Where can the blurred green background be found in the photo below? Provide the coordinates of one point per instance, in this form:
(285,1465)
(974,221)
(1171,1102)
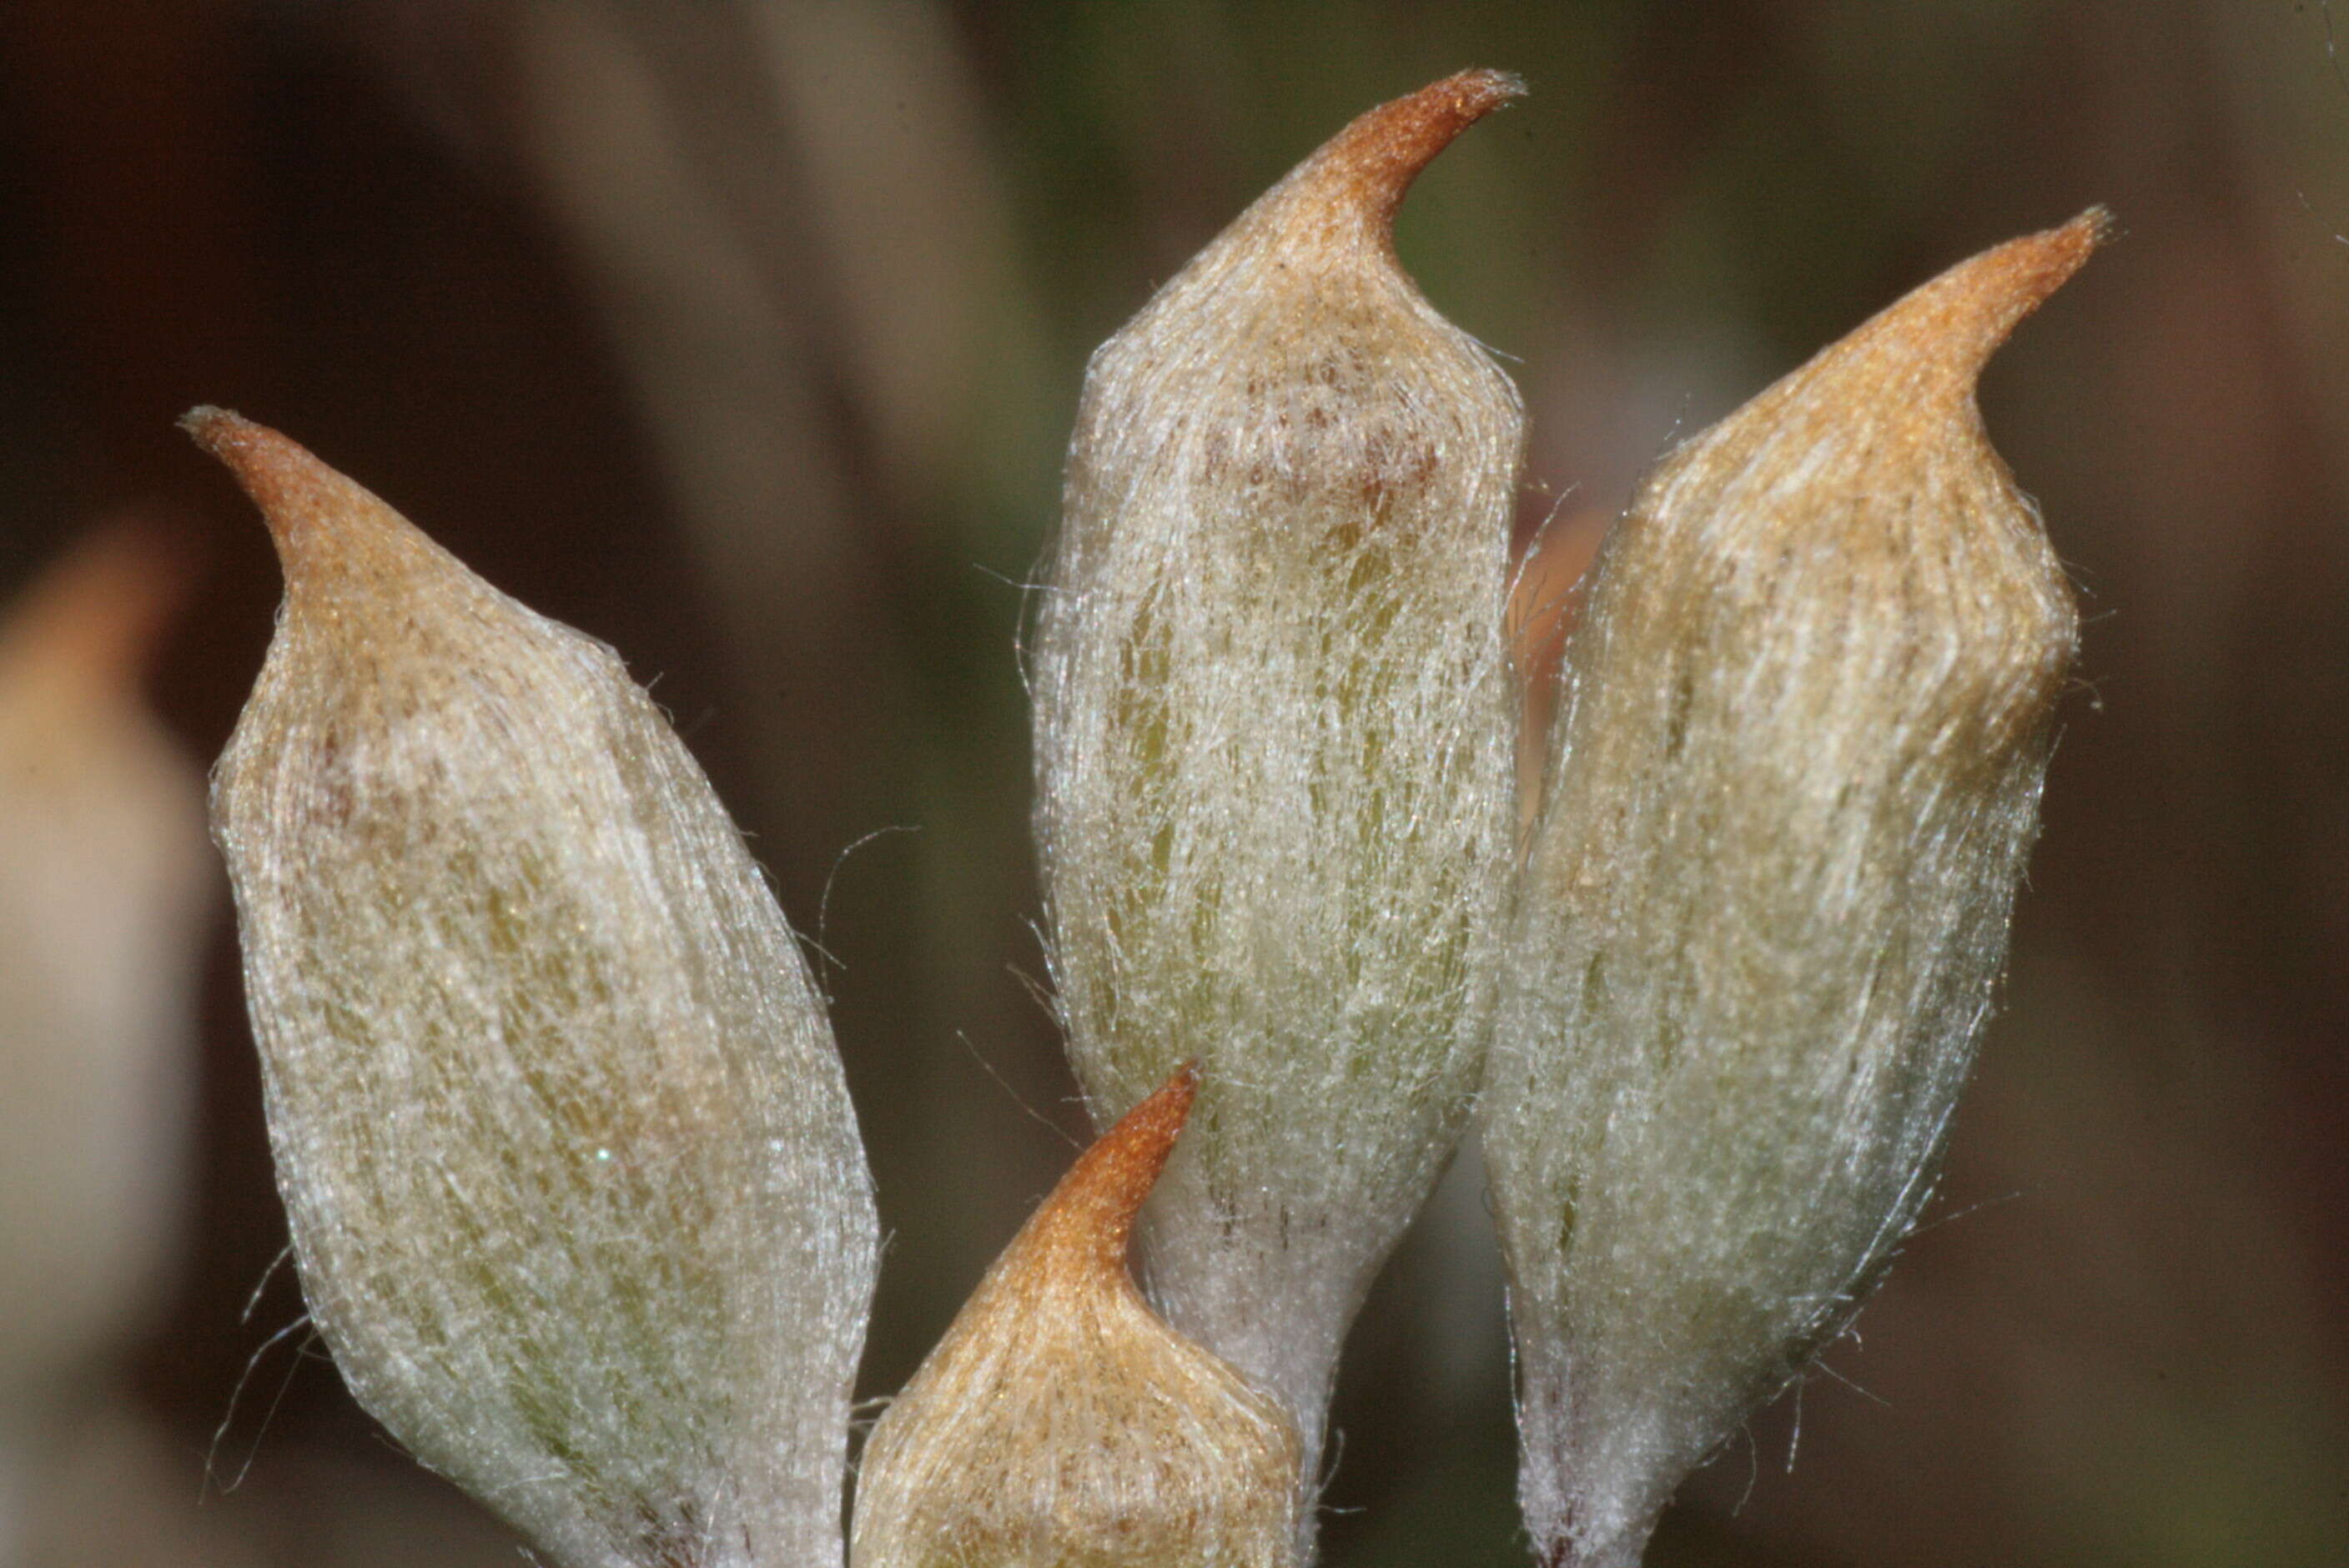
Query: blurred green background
(744,334)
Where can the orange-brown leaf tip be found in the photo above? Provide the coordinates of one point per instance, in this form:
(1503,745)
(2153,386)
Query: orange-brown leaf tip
(1370,164)
(1089,1217)
(1060,1422)
(316,517)
(1955,323)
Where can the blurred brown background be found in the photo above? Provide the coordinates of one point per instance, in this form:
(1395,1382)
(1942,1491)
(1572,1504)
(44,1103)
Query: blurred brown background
(744,334)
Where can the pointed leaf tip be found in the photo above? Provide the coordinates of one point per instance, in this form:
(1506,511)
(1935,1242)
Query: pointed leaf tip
(1959,319)
(1061,1421)
(2067,247)
(259,458)
(1369,165)
(303,501)
(1089,1215)
(2018,278)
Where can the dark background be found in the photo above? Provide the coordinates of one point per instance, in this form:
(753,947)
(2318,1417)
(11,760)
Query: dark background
(744,334)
